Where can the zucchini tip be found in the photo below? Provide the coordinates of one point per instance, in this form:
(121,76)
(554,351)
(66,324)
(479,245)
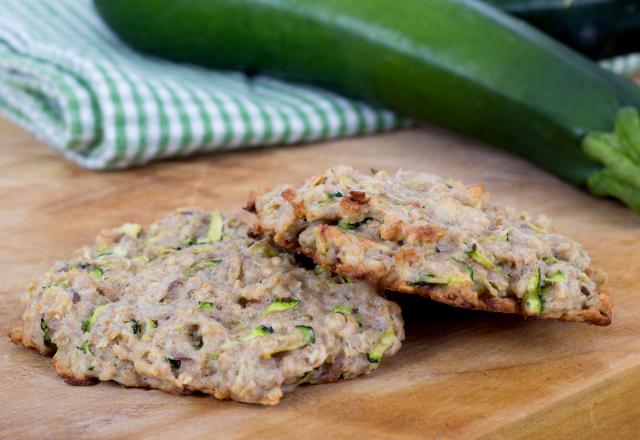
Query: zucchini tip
(619,154)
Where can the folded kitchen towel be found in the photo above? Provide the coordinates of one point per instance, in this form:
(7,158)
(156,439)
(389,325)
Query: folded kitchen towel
(624,64)
(65,77)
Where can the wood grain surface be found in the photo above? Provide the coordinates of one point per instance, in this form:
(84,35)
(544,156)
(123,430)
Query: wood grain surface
(460,374)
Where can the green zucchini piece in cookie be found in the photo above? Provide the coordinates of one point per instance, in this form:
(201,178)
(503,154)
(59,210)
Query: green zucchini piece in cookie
(381,345)
(261,330)
(88,324)
(279,306)
(214,233)
(533,301)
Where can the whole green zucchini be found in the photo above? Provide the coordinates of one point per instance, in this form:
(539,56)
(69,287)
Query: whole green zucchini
(462,64)
(597,28)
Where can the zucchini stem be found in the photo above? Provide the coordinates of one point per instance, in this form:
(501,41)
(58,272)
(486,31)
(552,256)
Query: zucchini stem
(619,153)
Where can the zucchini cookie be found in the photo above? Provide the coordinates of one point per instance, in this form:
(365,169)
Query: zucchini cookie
(196,305)
(419,233)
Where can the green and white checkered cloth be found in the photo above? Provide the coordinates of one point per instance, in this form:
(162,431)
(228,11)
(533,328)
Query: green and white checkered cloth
(624,65)
(65,77)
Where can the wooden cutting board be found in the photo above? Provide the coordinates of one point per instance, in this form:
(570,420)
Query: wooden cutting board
(460,374)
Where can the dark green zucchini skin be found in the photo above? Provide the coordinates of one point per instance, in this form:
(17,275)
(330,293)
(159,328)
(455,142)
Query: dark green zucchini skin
(597,28)
(461,64)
